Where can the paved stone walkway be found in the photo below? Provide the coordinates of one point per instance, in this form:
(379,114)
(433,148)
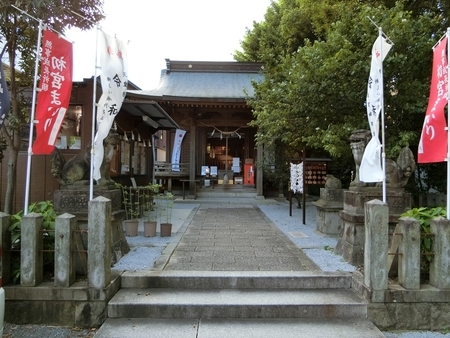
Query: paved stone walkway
(235,238)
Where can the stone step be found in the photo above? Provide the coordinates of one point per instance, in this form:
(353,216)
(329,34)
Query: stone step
(238,328)
(232,193)
(236,303)
(236,279)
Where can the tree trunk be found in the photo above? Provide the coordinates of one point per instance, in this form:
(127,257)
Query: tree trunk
(13,138)
(11,180)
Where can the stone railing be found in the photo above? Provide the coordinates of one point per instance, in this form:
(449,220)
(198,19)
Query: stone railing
(82,303)
(405,245)
(31,253)
(408,303)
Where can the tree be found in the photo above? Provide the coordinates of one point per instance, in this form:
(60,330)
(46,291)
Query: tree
(314,93)
(18,35)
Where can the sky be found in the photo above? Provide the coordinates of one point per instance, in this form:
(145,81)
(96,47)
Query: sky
(180,30)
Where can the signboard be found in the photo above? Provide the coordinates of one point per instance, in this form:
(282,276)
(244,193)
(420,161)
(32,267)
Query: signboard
(315,173)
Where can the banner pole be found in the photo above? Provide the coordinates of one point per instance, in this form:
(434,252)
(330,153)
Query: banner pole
(33,109)
(448,134)
(94,120)
(383,152)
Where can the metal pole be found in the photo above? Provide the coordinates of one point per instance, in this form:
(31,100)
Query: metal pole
(33,110)
(94,120)
(383,152)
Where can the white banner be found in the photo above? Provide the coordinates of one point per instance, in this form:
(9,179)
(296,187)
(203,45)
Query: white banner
(114,79)
(370,169)
(179,135)
(297,178)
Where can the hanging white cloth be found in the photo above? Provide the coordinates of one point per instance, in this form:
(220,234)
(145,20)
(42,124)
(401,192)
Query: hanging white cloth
(297,178)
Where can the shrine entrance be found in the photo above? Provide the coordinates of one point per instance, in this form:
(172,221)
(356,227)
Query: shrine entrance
(227,149)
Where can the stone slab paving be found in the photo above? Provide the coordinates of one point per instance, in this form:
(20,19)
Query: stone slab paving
(235,238)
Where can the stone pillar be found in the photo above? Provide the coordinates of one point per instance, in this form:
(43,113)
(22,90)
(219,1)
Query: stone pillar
(376,248)
(5,243)
(65,226)
(440,265)
(409,260)
(328,206)
(31,255)
(99,239)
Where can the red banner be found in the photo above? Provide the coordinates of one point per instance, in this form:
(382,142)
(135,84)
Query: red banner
(433,140)
(55,88)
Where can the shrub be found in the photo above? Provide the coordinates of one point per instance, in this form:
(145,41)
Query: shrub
(45,208)
(424,216)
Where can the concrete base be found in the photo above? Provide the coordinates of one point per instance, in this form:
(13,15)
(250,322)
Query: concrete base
(75,199)
(328,222)
(76,306)
(427,309)
(329,205)
(352,236)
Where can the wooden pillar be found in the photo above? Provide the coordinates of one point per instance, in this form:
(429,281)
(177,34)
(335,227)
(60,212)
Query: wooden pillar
(192,162)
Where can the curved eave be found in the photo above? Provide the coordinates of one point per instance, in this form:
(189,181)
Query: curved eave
(151,113)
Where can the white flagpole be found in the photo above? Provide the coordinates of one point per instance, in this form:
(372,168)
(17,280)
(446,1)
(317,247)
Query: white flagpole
(94,119)
(33,110)
(383,153)
(448,134)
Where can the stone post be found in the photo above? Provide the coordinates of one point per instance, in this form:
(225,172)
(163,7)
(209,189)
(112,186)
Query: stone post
(440,265)
(31,255)
(99,243)
(376,248)
(65,226)
(5,245)
(409,260)
(329,205)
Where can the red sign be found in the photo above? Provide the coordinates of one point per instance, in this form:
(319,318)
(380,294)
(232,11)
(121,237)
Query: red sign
(54,91)
(433,141)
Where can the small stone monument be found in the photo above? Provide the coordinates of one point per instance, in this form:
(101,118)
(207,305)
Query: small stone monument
(329,205)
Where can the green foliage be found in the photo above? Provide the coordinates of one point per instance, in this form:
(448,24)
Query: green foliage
(2,147)
(154,188)
(424,216)
(151,211)
(130,202)
(315,85)
(139,201)
(165,205)
(45,208)
(18,35)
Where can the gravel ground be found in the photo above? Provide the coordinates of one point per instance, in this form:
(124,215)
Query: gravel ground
(144,252)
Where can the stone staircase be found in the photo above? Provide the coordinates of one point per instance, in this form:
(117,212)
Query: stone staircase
(237,304)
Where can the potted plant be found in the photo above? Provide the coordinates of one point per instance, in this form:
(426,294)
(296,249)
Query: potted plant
(165,205)
(151,212)
(131,221)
